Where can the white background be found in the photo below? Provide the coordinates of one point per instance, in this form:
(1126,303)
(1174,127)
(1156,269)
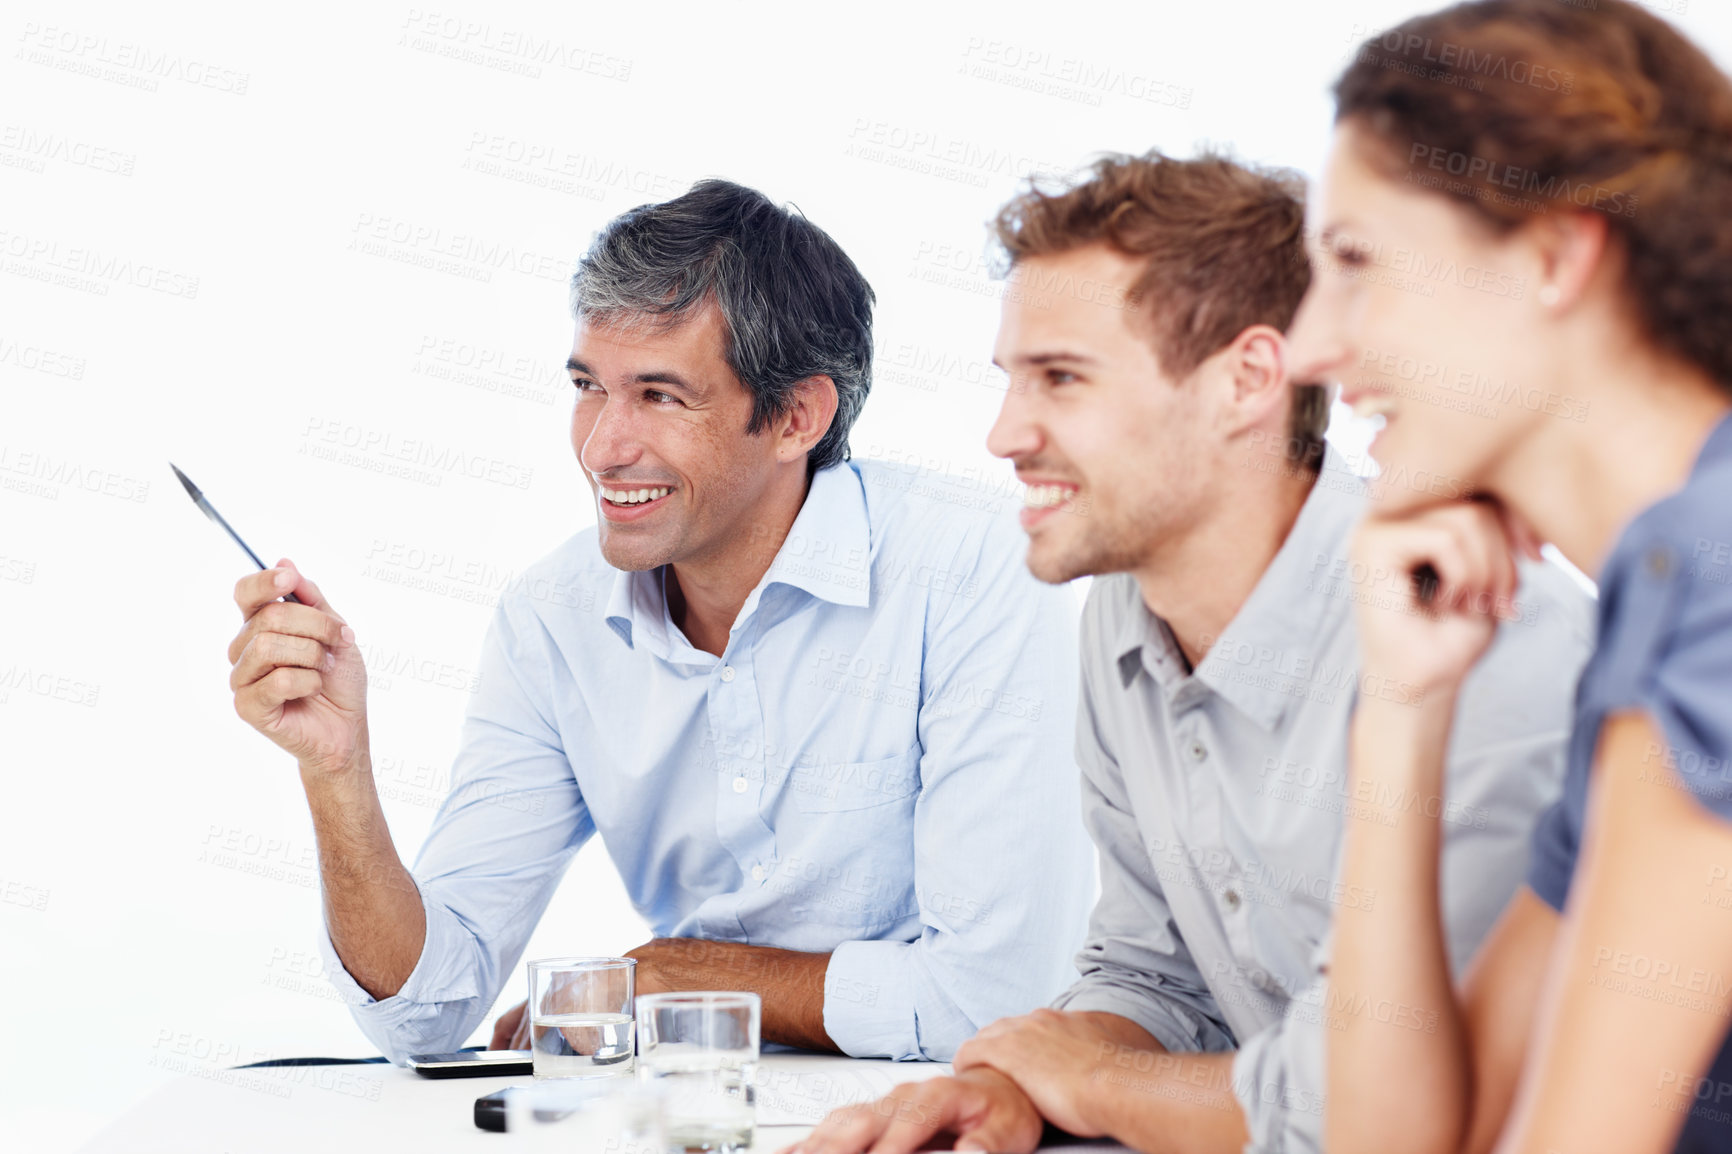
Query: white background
(303,165)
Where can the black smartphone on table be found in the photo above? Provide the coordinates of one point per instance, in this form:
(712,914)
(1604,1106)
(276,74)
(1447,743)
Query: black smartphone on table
(491,1109)
(474,1064)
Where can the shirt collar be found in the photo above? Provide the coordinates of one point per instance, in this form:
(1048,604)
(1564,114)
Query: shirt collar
(828,550)
(1718,446)
(1148,644)
(1270,648)
(637,605)
(827,553)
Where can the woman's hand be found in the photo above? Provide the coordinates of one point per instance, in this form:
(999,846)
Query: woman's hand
(1431,587)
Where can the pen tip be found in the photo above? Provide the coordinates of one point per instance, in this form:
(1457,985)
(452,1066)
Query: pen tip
(186,481)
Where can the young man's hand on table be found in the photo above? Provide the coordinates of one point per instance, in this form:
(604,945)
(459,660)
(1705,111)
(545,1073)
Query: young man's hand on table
(982,1108)
(1009,1077)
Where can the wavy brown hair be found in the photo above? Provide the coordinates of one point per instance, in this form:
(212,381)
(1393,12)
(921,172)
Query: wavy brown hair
(1519,107)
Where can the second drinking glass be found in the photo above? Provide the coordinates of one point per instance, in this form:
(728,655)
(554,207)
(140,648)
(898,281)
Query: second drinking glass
(700,1050)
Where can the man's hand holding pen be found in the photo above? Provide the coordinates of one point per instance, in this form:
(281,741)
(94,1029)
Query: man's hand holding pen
(299,680)
(298,677)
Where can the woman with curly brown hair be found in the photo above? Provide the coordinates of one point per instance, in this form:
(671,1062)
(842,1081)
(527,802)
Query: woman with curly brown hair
(1526,272)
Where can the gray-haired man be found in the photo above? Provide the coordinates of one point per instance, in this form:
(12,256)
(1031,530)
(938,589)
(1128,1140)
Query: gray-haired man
(779,685)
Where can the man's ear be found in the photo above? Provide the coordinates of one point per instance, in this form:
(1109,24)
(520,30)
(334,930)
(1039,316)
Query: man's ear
(808,418)
(1255,364)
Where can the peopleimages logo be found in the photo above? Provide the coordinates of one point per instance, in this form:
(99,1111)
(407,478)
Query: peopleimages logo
(37,359)
(382,450)
(506,49)
(1036,69)
(36,149)
(1458,64)
(54,472)
(134,65)
(92,269)
(1502,175)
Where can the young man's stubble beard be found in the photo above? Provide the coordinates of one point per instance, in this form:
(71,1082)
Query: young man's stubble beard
(1092,544)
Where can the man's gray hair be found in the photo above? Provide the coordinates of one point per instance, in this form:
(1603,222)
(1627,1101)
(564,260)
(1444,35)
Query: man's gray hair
(792,304)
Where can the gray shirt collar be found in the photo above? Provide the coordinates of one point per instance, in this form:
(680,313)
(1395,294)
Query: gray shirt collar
(1272,640)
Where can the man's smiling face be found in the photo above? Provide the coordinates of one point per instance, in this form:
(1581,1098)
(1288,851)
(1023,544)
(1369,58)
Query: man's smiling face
(1115,453)
(659,426)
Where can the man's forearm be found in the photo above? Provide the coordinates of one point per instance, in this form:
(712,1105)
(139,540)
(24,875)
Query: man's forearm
(372,906)
(1165,1103)
(1095,1073)
(790,983)
(1154,1100)
(1119,1029)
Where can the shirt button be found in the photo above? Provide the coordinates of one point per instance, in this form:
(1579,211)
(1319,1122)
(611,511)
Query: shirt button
(1232,898)
(759,873)
(727,673)
(1199,751)
(739,785)
(1659,562)
(1260,979)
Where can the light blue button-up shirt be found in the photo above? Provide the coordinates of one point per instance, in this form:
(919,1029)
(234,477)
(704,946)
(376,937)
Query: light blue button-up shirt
(879,765)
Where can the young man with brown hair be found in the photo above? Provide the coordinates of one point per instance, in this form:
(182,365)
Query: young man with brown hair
(1168,453)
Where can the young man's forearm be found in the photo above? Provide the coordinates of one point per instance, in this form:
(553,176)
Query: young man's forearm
(1094,1072)
(372,906)
(1391,996)
(1151,1099)
(1165,1103)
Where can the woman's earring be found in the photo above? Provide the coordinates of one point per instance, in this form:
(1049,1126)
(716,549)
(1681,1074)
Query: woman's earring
(1550,295)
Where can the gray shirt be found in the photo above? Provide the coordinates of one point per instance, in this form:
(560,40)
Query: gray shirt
(1216,799)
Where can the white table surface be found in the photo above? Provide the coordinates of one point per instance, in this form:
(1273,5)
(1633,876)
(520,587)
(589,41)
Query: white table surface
(380,1109)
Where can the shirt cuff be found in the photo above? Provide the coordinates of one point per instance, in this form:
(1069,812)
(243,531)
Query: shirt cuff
(1177,1031)
(1277,1076)
(869,1001)
(437,1006)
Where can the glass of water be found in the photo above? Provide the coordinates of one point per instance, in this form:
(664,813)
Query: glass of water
(580,1023)
(701,1049)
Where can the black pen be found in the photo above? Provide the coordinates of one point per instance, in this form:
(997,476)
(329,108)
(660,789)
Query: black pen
(198,499)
